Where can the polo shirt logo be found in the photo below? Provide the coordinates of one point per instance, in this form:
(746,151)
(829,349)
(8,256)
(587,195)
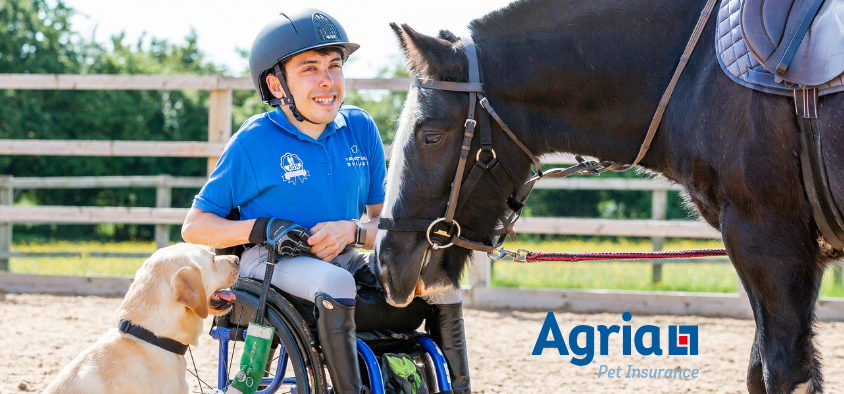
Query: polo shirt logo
(294,168)
(356,159)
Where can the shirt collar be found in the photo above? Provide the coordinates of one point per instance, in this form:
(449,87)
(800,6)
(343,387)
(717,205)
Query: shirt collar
(280,120)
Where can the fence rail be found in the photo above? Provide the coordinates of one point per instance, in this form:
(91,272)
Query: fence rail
(164,82)
(163,216)
(219,131)
(111,148)
(532,225)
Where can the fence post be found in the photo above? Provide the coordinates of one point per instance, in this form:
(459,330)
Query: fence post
(659,204)
(7,197)
(219,121)
(480,272)
(163,199)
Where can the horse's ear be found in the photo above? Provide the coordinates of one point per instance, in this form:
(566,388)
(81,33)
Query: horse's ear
(431,57)
(448,35)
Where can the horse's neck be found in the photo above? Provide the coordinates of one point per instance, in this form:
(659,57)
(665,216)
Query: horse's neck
(591,84)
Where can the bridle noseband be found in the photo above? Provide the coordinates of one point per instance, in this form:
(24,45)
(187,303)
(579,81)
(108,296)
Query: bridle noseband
(460,189)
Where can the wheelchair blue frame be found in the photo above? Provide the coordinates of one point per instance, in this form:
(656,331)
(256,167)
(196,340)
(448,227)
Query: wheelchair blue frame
(370,361)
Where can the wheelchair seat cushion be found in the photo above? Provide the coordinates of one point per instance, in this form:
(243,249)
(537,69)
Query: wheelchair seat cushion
(388,341)
(372,312)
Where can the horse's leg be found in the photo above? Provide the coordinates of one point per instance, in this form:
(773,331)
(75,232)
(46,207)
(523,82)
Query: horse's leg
(782,278)
(755,378)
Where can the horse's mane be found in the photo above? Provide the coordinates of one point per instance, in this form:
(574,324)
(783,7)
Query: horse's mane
(533,16)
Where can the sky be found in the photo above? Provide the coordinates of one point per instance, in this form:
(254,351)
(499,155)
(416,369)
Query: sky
(223,27)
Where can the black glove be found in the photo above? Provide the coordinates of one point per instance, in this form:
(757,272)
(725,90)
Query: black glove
(287,238)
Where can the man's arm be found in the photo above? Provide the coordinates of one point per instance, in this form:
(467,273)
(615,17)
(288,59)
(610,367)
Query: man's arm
(374,213)
(208,229)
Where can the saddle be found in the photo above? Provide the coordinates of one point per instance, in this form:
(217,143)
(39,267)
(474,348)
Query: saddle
(799,41)
(791,48)
(742,66)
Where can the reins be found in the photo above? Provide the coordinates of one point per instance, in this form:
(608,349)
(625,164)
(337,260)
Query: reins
(526,256)
(461,189)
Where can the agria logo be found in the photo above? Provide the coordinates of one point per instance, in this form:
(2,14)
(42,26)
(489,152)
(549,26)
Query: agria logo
(682,340)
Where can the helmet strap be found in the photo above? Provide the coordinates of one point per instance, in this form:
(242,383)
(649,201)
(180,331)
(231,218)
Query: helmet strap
(288,98)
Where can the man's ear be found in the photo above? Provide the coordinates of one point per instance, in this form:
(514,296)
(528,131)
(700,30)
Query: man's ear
(187,286)
(274,85)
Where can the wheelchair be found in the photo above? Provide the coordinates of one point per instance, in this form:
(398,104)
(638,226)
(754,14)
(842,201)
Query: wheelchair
(296,363)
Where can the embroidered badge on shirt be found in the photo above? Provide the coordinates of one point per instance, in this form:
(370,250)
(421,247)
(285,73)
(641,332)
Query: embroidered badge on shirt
(356,160)
(294,168)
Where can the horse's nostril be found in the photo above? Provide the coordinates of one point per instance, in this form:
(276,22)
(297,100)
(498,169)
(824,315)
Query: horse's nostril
(236,260)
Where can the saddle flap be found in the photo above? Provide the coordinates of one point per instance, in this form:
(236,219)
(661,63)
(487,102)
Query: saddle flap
(799,41)
(763,23)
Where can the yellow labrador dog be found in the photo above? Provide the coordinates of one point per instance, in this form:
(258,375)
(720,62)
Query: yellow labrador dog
(173,291)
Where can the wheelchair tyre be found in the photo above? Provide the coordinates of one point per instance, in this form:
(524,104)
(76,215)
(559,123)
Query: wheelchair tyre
(291,329)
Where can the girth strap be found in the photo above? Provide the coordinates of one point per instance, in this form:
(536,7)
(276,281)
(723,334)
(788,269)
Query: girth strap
(815,180)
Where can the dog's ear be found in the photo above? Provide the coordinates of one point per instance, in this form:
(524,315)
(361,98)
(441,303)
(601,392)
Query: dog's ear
(187,285)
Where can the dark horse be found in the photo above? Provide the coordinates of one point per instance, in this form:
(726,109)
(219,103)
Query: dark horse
(585,76)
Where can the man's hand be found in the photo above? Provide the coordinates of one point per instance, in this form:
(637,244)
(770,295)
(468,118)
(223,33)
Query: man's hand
(329,238)
(287,238)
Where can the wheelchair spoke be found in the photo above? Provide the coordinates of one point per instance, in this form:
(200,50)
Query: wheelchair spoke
(267,371)
(234,346)
(203,382)
(196,370)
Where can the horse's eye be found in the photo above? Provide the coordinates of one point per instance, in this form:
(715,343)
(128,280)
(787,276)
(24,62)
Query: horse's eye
(431,138)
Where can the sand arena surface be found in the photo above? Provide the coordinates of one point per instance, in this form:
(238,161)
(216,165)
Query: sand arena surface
(43,333)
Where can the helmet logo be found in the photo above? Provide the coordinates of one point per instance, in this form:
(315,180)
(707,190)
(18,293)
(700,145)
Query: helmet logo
(325,28)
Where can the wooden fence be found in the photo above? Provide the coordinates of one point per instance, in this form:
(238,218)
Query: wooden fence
(219,131)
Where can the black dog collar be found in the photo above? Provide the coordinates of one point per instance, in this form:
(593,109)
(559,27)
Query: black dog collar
(170,345)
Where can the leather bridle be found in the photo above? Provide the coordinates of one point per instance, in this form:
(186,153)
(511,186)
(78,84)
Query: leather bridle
(460,189)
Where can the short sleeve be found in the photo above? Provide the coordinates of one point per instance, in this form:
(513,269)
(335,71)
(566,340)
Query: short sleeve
(232,183)
(377,167)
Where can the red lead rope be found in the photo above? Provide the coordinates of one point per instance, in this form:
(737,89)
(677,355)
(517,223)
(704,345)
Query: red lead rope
(668,254)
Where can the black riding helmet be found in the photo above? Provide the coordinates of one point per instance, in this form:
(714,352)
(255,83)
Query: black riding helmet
(287,35)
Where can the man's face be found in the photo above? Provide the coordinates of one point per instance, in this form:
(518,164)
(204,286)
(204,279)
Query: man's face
(316,83)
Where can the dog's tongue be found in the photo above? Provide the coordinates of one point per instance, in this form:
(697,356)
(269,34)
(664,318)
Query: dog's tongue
(225,294)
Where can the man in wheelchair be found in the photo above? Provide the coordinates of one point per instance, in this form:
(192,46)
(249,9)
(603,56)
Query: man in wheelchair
(300,177)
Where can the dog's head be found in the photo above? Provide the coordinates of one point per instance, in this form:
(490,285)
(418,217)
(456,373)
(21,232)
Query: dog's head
(178,286)
(200,280)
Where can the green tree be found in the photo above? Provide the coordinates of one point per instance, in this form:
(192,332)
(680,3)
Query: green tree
(41,40)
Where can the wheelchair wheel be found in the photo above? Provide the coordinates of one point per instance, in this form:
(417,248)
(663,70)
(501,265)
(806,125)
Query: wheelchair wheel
(296,352)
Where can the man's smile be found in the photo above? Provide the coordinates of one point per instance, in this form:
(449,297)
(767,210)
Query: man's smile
(325,101)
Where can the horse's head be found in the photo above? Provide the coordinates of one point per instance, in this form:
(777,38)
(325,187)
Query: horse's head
(424,161)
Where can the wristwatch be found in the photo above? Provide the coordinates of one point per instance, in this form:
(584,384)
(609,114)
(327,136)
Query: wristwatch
(360,234)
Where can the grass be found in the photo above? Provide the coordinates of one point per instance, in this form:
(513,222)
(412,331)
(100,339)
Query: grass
(83,265)
(697,277)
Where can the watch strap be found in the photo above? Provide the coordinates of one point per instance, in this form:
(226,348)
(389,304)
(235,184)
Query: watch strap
(360,234)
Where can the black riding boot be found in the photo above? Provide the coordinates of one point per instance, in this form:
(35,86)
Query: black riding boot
(336,327)
(445,325)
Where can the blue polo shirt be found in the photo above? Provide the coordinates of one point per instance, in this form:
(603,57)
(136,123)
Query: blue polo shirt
(270,168)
